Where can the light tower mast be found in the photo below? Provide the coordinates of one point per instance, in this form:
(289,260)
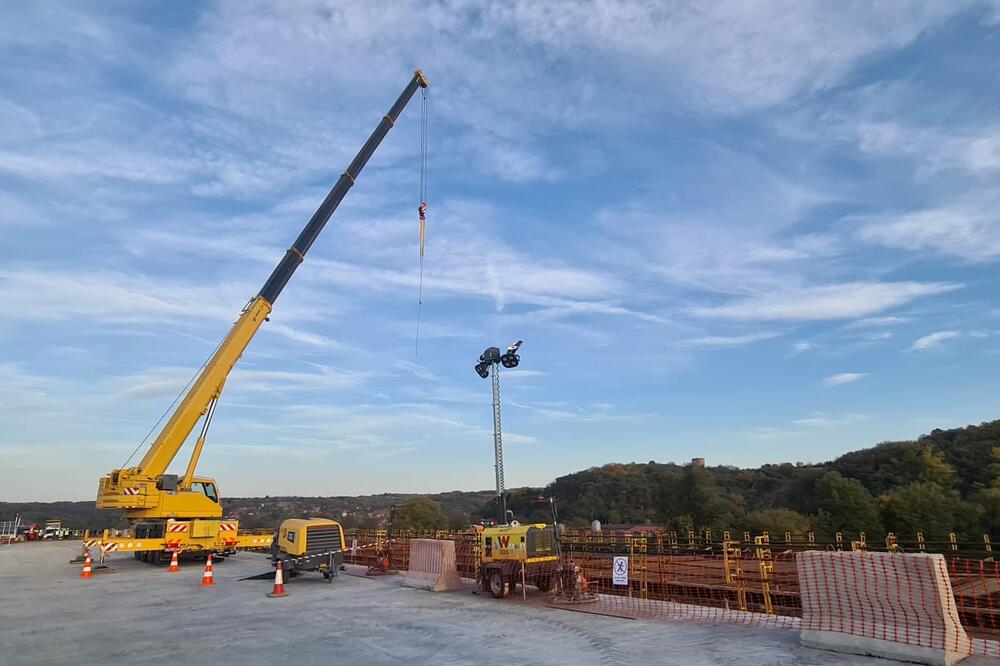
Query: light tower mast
(489,366)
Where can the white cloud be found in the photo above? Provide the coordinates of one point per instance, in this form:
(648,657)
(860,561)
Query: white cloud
(277,381)
(928,342)
(419,371)
(700,238)
(96,298)
(822,421)
(510,161)
(522,373)
(800,347)
(835,301)
(562,411)
(728,341)
(933,149)
(730,55)
(298,335)
(168,382)
(843,378)
(257,58)
(965,233)
(817,422)
(110,297)
(879,321)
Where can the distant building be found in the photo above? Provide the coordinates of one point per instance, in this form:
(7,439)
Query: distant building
(698,463)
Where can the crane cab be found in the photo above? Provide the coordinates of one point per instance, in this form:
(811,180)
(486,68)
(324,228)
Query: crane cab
(148,498)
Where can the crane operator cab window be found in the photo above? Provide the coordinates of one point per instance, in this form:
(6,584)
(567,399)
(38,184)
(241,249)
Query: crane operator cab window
(206,489)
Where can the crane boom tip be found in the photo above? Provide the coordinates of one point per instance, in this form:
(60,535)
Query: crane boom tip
(420,76)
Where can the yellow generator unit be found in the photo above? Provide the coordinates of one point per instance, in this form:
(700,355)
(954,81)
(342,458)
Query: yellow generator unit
(506,550)
(313,544)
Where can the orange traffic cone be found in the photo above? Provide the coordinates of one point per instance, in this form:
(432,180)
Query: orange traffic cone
(279,582)
(208,578)
(87,571)
(174,564)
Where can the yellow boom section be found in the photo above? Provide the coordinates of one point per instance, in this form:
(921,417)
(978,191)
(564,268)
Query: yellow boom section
(136,490)
(207,387)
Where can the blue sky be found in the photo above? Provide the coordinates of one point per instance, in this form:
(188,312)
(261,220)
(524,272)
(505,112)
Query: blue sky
(752,232)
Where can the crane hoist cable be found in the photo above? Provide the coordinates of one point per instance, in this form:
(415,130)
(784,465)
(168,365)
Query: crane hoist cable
(422,212)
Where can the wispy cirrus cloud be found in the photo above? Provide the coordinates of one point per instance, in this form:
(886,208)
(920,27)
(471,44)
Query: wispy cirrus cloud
(825,302)
(933,340)
(870,322)
(843,378)
(822,421)
(973,235)
(728,341)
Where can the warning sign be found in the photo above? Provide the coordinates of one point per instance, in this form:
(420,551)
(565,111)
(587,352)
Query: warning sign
(619,571)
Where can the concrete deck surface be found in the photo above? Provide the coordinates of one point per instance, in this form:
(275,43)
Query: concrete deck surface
(140,614)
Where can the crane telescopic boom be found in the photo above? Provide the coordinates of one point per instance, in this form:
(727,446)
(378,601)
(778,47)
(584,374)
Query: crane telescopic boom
(134,488)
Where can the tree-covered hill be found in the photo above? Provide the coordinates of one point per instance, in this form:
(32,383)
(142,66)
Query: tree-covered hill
(946,480)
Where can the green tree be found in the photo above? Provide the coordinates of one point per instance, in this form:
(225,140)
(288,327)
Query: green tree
(421,513)
(988,499)
(888,466)
(778,521)
(845,505)
(927,507)
(701,499)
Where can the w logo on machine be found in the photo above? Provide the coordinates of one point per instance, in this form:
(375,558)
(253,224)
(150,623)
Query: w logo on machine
(503,541)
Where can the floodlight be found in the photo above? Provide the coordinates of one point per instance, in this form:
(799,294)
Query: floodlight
(510,360)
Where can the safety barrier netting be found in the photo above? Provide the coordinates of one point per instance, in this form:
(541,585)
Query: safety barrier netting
(975,585)
(930,601)
(367,546)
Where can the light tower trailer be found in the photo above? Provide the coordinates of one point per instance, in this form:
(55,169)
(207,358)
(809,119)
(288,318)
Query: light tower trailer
(518,553)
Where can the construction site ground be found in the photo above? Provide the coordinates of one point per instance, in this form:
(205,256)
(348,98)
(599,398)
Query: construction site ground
(140,614)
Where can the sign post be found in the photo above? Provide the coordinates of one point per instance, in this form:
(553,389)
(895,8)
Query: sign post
(619,570)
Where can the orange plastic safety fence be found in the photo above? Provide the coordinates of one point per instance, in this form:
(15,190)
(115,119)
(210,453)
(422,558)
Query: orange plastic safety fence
(916,599)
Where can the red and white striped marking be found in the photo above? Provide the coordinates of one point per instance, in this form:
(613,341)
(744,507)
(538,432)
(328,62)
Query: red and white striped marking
(91,543)
(177,527)
(227,527)
(131,491)
(108,547)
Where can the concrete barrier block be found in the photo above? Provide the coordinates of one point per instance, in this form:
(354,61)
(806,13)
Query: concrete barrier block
(890,605)
(433,566)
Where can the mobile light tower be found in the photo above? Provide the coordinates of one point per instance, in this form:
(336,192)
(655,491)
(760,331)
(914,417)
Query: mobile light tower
(489,365)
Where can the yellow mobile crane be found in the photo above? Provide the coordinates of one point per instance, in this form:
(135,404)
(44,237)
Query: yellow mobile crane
(170,512)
